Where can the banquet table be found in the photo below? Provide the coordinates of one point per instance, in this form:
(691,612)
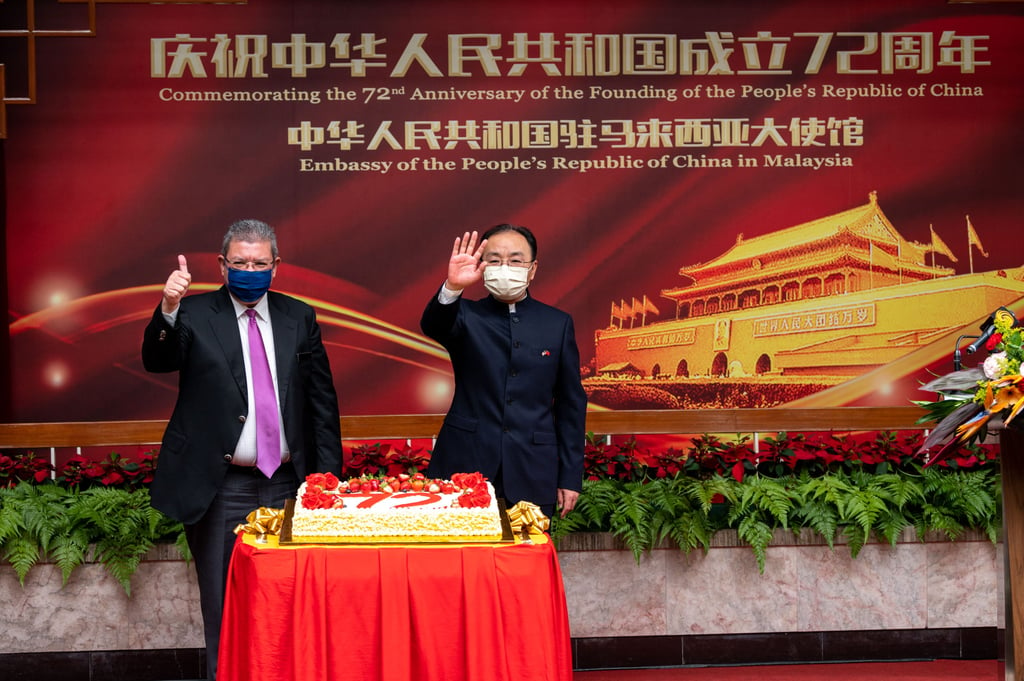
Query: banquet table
(487,612)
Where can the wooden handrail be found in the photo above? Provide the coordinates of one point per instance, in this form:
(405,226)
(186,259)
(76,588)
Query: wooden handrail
(404,426)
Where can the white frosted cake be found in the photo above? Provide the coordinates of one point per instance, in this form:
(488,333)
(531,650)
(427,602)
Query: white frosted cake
(406,508)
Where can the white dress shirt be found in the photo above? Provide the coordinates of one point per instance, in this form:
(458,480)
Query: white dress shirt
(245,450)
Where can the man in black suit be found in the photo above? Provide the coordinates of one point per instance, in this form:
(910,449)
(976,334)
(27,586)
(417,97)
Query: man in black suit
(207,475)
(519,411)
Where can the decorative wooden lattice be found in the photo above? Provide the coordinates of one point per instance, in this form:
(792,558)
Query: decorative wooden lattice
(30,31)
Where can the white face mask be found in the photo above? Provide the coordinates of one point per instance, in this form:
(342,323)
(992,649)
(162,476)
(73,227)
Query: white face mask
(506,282)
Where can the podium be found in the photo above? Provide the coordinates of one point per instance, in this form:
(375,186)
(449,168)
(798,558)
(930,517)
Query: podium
(1011,457)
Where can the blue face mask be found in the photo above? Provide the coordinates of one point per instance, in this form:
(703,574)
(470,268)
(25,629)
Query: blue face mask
(249,285)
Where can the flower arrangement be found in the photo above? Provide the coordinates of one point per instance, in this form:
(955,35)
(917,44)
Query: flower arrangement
(972,399)
(78,472)
(842,486)
(17,467)
(114,471)
(813,454)
(383,459)
(835,484)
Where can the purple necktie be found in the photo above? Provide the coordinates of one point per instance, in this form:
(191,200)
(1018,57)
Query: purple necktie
(268,432)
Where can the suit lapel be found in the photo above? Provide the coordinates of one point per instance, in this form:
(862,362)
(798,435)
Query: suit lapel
(224,324)
(285,345)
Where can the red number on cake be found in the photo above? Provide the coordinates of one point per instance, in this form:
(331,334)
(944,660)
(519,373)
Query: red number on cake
(371,499)
(430,498)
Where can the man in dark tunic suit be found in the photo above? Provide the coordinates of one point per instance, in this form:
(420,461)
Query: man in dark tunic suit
(518,414)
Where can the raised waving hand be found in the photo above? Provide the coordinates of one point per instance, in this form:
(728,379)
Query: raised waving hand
(465,266)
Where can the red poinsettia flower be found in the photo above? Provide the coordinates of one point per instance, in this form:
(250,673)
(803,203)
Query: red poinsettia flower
(737,471)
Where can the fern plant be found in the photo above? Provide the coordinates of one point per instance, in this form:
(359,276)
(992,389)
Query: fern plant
(119,526)
(840,488)
(855,505)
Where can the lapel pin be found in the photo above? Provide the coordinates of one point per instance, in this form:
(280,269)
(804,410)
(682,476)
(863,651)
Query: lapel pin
(545,353)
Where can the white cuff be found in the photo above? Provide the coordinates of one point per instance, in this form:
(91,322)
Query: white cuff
(446,296)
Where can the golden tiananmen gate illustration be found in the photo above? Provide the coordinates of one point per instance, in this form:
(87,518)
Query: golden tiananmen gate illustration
(785,315)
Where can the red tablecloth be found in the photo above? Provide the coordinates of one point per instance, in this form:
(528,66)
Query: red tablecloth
(389,613)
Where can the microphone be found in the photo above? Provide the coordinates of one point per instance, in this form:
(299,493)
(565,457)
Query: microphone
(988,328)
(957,355)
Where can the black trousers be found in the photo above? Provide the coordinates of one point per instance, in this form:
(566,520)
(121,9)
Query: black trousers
(499,491)
(212,539)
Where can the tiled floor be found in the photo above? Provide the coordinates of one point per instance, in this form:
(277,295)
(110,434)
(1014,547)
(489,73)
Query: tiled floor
(931,670)
(189,665)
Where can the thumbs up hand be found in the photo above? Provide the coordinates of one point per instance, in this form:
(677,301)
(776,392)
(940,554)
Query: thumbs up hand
(176,287)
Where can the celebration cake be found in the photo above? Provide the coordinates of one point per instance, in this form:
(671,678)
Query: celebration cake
(405,508)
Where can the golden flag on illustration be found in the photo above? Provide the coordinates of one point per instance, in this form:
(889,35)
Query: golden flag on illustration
(939,246)
(972,238)
(649,306)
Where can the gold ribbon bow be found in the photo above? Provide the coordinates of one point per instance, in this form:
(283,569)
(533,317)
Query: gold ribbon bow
(527,519)
(262,521)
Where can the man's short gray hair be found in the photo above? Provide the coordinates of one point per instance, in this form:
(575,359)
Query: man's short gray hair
(253,231)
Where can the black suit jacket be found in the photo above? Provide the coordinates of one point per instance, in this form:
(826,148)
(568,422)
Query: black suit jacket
(205,348)
(518,401)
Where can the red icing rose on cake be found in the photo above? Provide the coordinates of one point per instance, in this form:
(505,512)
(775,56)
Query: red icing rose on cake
(474,490)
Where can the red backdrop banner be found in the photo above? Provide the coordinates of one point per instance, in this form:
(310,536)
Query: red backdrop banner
(701,178)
